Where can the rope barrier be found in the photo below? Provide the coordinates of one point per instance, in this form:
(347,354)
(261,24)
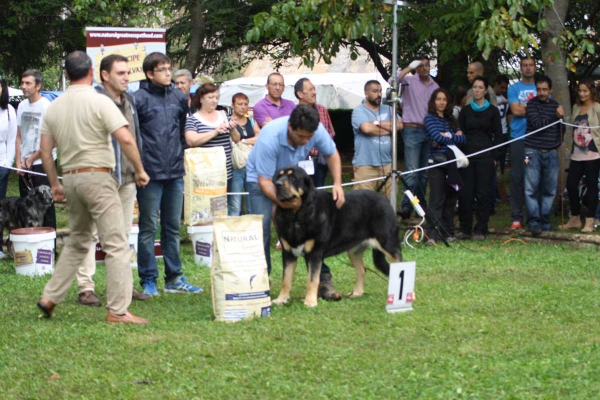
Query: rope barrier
(383,177)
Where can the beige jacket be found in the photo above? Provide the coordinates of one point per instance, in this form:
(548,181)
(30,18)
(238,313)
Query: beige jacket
(593,120)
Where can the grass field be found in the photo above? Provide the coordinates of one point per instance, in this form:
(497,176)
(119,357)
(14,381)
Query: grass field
(491,321)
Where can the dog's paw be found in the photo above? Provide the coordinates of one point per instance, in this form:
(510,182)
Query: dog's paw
(281,300)
(310,303)
(353,294)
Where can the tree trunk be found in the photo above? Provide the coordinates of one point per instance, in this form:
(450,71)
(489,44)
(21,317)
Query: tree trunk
(192,60)
(553,58)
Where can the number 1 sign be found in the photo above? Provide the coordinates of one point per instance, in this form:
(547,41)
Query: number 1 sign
(401,287)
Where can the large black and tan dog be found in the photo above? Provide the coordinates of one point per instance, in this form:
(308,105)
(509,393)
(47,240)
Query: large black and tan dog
(315,228)
(24,212)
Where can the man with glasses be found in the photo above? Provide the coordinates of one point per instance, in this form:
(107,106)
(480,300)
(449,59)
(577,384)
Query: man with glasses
(273,106)
(162,111)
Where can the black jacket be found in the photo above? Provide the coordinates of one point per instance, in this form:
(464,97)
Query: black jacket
(482,130)
(162,113)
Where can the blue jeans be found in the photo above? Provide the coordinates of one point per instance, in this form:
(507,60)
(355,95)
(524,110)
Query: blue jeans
(320,173)
(165,196)
(541,177)
(237,185)
(260,204)
(416,155)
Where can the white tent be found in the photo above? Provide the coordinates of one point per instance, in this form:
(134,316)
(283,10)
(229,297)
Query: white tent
(334,90)
(14,92)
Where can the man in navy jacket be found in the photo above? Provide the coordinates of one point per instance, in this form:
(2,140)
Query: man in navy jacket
(162,111)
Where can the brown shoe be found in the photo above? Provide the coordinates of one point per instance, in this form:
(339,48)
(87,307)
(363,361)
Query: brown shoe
(326,289)
(136,295)
(127,318)
(88,298)
(47,307)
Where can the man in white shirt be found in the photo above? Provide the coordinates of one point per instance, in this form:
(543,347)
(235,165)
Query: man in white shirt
(30,115)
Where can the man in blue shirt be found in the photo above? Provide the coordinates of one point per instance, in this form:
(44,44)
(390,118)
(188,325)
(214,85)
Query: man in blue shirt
(372,127)
(518,96)
(283,142)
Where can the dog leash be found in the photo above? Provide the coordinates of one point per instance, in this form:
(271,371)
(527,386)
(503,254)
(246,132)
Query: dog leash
(27,179)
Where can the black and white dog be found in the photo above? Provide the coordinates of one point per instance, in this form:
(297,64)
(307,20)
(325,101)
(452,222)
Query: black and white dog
(24,212)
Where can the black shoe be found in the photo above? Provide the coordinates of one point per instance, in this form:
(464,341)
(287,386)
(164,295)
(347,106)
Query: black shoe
(462,236)
(404,214)
(536,230)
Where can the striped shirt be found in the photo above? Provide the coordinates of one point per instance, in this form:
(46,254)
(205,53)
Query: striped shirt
(434,126)
(541,114)
(201,126)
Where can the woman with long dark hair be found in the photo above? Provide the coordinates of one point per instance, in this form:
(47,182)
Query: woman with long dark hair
(442,129)
(481,124)
(8,136)
(585,158)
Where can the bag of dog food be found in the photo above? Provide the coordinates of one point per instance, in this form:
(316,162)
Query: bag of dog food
(239,277)
(205,185)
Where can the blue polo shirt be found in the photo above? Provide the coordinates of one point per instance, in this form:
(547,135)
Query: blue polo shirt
(272,151)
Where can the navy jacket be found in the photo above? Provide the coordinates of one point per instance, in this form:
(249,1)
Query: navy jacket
(162,113)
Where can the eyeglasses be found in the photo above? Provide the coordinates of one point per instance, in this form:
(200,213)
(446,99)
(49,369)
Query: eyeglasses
(164,70)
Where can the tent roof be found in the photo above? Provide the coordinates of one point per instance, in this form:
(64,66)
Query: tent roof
(334,90)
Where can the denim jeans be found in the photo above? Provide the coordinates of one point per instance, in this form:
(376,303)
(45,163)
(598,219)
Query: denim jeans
(541,178)
(165,196)
(320,173)
(237,185)
(260,204)
(517,162)
(4,173)
(416,155)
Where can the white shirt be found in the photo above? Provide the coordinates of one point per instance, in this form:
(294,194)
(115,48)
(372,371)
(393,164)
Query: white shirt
(8,136)
(29,119)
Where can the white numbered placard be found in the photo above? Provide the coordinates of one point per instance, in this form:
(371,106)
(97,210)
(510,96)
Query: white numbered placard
(308,166)
(401,287)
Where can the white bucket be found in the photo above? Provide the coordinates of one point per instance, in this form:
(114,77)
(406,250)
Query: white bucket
(133,244)
(34,250)
(202,243)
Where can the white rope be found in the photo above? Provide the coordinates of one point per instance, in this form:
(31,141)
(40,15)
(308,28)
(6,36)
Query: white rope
(383,177)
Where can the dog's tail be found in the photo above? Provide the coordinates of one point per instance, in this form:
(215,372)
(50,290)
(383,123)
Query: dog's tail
(381,262)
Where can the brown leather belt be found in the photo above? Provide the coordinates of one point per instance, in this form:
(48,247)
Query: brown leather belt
(80,170)
(414,125)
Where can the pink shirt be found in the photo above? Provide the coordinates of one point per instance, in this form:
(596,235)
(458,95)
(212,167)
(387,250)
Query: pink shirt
(265,108)
(415,98)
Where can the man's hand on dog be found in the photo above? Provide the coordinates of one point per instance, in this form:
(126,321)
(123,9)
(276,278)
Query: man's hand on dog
(141,178)
(58,193)
(338,195)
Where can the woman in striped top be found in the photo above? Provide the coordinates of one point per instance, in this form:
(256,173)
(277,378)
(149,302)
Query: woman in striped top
(209,127)
(441,127)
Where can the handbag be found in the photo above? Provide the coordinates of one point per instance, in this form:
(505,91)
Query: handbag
(461,160)
(239,154)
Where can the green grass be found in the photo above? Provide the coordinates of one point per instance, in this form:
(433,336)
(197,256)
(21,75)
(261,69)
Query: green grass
(489,321)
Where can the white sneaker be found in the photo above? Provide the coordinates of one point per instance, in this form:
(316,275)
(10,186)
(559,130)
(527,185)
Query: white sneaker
(2,255)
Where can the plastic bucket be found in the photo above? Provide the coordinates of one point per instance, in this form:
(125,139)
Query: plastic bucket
(202,242)
(34,250)
(133,244)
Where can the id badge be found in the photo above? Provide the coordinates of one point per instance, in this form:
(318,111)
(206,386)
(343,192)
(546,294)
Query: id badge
(308,166)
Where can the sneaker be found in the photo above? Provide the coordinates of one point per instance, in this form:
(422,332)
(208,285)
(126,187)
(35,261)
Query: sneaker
(516,225)
(451,239)
(278,246)
(431,242)
(2,255)
(181,286)
(479,237)
(149,289)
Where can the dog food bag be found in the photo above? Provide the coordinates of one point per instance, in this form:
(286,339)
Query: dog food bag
(205,185)
(239,277)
